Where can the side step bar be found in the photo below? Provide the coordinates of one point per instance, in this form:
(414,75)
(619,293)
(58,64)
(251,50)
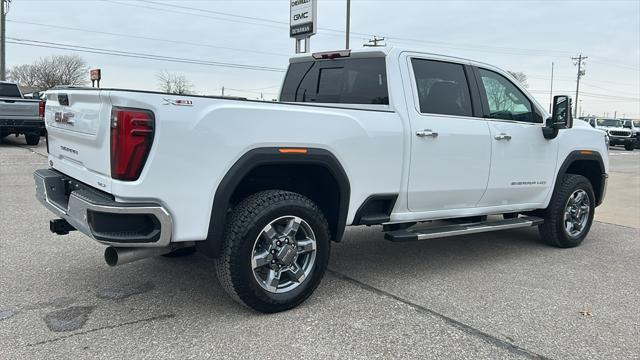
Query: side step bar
(432,232)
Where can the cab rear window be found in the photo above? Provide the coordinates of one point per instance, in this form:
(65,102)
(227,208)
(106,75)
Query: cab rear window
(340,81)
(9,90)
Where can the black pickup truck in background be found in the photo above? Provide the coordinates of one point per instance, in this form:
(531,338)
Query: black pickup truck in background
(20,116)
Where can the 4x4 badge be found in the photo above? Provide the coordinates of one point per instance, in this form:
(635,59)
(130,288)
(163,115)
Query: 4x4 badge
(178,102)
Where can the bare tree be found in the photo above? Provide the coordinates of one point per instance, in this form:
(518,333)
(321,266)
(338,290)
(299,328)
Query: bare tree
(23,74)
(174,83)
(521,77)
(48,72)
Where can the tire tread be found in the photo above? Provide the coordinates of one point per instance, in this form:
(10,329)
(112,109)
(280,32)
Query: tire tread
(551,230)
(242,218)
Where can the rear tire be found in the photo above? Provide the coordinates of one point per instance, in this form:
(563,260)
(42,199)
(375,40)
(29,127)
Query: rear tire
(569,216)
(32,139)
(268,263)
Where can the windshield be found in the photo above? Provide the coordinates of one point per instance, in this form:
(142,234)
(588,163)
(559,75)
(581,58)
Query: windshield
(609,122)
(10,90)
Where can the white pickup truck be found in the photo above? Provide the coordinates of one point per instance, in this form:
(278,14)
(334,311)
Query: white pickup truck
(425,145)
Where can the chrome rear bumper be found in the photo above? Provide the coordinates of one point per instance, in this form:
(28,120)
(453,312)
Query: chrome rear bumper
(98,216)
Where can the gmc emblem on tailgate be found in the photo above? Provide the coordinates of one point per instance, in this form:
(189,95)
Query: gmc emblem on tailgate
(63,118)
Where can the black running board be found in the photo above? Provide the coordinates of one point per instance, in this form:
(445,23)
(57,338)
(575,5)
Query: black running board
(432,232)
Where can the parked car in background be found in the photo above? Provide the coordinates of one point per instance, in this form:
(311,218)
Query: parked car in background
(618,134)
(19,115)
(634,126)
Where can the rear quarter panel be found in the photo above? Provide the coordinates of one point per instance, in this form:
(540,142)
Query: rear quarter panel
(196,145)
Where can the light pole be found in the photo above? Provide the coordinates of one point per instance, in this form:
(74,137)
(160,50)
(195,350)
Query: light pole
(4,6)
(348,24)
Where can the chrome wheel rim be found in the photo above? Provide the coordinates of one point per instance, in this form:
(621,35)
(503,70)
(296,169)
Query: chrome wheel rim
(576,213)
(284,254)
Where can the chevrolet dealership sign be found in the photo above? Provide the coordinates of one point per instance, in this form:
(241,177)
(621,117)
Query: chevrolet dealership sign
(303,18)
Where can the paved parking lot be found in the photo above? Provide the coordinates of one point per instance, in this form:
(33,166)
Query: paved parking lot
(498,295)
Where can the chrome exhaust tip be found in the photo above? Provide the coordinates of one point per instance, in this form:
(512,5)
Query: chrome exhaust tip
(115,256)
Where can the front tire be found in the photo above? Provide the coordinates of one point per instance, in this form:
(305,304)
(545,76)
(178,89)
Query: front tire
(569,216)
(276,250)
(629,147)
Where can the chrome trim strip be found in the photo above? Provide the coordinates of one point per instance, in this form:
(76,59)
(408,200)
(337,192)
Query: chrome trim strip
(76,215)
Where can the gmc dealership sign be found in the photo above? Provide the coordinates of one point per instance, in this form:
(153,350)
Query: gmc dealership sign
(303,18)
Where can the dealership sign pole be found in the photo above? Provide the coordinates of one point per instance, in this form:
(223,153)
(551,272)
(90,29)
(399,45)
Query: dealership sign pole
(302,22)
(96,76)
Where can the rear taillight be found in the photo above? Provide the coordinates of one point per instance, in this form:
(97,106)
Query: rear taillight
(41,109)
(131,138)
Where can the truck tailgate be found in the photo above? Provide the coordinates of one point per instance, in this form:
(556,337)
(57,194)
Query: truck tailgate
(78,126)
(15,108)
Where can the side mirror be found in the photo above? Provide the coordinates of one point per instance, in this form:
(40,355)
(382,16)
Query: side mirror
(560,117)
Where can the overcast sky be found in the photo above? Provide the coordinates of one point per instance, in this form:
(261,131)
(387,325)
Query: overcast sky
(524,36)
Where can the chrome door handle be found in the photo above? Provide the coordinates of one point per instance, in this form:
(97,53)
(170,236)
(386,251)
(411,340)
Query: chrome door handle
(426,133)
(502,136)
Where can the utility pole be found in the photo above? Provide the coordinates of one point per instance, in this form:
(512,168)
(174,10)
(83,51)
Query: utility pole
(4,8)
(551,91)
(581,72)
(581,112)
(223,91)
(374,42)
(348,24)
(615,114)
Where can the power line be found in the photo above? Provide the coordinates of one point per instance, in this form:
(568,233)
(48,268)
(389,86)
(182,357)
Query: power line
(53,45)
(544,52)
(339,33)
(595,95)
(216,12)
(333,32)
(174,11)
(591,81)
(618,65)
(588,84)
(145,38)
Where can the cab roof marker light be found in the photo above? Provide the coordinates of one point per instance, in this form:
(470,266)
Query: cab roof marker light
(331,54)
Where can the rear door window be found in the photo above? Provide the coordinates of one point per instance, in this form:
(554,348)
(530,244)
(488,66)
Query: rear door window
(442,88)
(340,81)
